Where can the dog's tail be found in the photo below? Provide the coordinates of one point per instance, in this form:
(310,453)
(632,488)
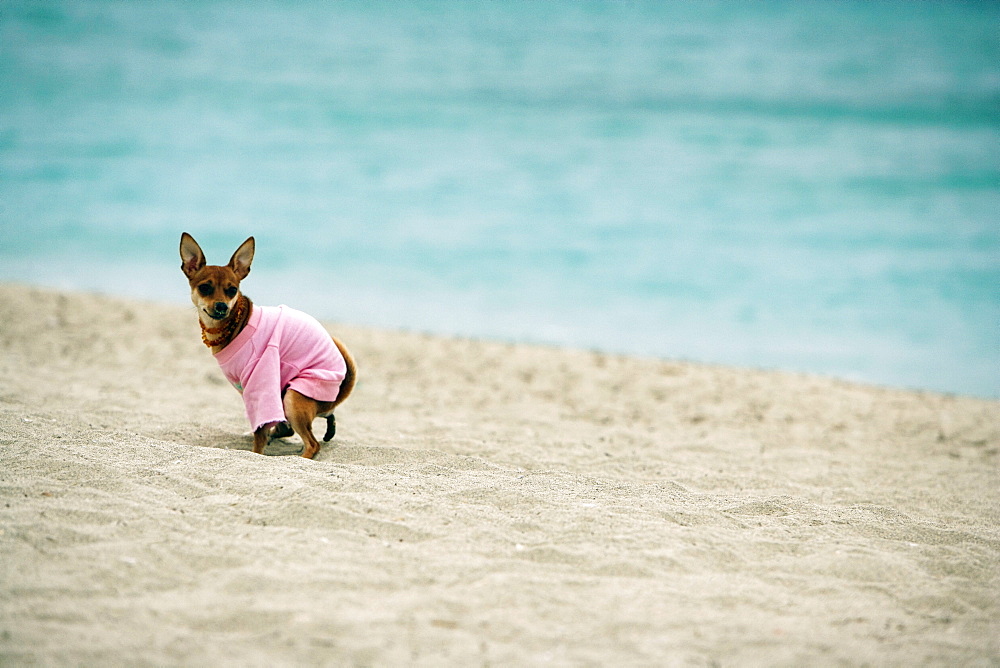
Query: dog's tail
(347,385)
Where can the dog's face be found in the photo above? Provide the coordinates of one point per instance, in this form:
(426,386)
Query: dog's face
(214,289)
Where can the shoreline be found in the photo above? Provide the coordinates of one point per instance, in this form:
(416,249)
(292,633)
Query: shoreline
(540,343)
(482,502)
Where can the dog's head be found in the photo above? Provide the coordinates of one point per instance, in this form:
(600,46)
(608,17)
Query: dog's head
(214,289)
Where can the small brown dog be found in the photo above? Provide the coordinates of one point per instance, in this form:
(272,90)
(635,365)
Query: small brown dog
(287,367)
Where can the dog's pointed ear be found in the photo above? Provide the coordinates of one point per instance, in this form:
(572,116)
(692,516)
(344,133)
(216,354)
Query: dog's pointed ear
(192,259)
(240,262)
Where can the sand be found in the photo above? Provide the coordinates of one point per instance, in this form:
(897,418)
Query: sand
(482,504)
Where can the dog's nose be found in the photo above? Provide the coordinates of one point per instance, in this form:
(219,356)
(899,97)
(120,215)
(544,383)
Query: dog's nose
(220,307)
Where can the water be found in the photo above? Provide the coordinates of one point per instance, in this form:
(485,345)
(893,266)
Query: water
(796,185)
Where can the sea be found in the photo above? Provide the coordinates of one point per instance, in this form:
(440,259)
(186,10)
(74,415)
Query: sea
(805,185)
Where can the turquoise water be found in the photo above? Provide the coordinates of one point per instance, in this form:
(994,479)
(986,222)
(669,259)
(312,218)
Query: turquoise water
(798,185)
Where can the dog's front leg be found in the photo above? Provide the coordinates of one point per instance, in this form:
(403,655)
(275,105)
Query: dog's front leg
(262,436)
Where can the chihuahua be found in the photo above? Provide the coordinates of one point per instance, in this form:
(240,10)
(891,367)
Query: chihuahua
(284,363)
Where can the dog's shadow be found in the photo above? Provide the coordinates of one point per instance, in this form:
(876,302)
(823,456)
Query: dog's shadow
(224,440)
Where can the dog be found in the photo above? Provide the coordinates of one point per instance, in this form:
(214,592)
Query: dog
(286,366)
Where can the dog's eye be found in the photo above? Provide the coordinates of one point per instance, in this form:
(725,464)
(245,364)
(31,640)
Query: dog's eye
(206,289)
(231,292)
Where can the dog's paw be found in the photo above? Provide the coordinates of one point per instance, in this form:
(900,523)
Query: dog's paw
(331,428)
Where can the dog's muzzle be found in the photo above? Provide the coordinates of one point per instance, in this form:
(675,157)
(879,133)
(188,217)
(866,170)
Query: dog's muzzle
(219,311)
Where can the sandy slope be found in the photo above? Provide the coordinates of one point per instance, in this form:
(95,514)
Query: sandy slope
(482,504)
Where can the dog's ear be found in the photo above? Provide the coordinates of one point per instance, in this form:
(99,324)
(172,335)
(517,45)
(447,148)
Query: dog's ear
(240,262)
(192,259)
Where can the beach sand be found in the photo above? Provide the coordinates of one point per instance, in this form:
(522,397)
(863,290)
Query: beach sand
(482,504)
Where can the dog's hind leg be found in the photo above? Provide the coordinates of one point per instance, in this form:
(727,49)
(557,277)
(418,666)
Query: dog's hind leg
(331,427)
(300,411)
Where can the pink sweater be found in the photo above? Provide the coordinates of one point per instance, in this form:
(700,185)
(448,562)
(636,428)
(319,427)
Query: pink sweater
(281,348)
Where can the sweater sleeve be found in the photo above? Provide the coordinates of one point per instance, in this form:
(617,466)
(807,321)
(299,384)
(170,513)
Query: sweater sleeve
(262,390)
